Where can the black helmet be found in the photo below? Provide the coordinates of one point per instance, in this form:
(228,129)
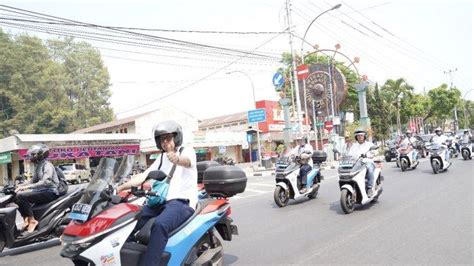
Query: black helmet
(466,131)
(37,153)
(360,132)
(168,127)
(438,129)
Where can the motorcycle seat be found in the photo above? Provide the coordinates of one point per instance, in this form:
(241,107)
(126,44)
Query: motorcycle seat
(41,208)
(143,236)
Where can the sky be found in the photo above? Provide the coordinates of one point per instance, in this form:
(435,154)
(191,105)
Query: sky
(417,40)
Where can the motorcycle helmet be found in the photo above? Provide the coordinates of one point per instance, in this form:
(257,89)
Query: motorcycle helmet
(438,131)
(360,132)
(37,153)
(408,133)
(168,127)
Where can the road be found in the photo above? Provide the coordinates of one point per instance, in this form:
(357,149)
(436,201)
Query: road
(421,218)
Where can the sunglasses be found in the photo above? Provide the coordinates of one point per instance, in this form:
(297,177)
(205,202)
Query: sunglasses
(167,137)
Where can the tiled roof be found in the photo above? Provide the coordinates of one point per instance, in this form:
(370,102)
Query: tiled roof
(114,123)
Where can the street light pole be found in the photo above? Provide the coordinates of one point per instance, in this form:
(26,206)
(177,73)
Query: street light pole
(450,73)
(303,57)
(259,159)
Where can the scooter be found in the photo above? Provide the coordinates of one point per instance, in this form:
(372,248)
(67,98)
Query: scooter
(352,182)
(438,158)
(103,221)
(52,218)
(288,185)
(452,148)
(407,157)
(466,148)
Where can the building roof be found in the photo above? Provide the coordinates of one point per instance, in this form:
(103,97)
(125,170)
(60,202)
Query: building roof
(111,124)
(221,120)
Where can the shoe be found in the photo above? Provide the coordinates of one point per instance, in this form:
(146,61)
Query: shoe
(303,190)
(370,192)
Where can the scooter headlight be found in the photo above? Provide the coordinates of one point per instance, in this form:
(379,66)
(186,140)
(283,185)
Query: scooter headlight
(72,250)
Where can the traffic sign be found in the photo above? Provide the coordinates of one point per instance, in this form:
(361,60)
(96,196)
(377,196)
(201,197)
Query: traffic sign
(302,71)
(257,115)
(278,80)
(319,123)
(328,126)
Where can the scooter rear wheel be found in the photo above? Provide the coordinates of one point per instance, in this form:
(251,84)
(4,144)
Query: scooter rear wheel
(347,201)
(280,196)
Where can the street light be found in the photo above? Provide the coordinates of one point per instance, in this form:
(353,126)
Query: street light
(254,102)
(302,55)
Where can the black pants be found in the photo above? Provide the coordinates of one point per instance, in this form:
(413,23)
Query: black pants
(26,199)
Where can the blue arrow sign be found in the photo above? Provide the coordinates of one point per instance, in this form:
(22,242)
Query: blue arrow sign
(257,115)
(278,79)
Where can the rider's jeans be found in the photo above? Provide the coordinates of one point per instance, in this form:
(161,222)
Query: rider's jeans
(370,174)
(174,213)
(304,171)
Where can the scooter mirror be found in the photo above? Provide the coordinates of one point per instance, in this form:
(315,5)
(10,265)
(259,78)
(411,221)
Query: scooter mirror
(156,175)
(374,148)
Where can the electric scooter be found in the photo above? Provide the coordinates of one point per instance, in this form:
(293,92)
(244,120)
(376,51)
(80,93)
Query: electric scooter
(352,182)
(288,185)
(407,157)
(438,158)
(103,221)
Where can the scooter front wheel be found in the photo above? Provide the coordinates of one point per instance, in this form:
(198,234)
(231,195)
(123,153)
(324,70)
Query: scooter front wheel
(280,196)
(403,164)
(465,154)
(347,201)
(435,164)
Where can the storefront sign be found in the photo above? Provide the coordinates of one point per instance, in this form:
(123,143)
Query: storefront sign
(5,157)
(84,152)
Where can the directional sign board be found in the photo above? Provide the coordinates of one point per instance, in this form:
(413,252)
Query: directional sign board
(257,115)
(278,80)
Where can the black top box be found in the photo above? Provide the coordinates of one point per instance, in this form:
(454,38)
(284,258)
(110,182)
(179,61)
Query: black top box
(224,181)
(319,156)
(202,166)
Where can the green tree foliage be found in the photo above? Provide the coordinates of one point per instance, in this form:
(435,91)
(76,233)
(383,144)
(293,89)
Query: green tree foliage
(394,91)
(50,89)
(442,102)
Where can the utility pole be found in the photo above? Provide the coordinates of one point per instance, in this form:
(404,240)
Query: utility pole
(450,73)
(297,90)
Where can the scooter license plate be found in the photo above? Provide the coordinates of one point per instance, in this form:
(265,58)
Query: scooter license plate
(80,212)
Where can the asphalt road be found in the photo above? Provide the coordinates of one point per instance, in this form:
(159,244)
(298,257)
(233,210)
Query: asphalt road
(421,218)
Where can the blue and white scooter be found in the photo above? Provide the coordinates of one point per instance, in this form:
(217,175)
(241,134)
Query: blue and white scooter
(102,222)
(287,182)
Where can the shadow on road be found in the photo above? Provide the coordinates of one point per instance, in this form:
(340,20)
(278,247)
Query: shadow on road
(230,259)
(336,206)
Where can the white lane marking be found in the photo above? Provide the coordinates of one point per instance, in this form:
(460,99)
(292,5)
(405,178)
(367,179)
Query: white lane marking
(260,184)
(256,190)
(238,197)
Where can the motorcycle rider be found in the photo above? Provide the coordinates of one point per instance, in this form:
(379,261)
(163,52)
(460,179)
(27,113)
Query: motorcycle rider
(466,137)
(362,148)
(440,139)
(182,194)
(42,188)
(410,141)
(304,150)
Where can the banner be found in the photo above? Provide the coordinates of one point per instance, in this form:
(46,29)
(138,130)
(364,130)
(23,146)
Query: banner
(5,157)
(84,152)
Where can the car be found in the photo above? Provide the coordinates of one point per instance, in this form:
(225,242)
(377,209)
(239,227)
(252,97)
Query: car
(75,173)
(390,151)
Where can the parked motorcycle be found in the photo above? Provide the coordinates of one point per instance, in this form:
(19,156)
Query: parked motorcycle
(52,218)
(408,157)
(288,185)
(466,148)
(103,221)
(352,182)
(438,158)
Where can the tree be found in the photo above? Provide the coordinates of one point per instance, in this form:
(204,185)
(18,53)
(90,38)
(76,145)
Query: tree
(442,102)
(35,90)
(394,92)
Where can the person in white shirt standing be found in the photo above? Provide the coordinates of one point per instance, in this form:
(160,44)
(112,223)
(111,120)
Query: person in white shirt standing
(362,148)
(304,150)
(182,194)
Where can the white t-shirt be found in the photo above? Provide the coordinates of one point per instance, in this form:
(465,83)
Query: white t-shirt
(183,185)
(298,150)
(439,139)
(357,149)
(408,141)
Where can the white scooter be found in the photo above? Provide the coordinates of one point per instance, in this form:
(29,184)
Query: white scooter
(352,182)
(438,158)
(466,148)
(407,157)
(287,182)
